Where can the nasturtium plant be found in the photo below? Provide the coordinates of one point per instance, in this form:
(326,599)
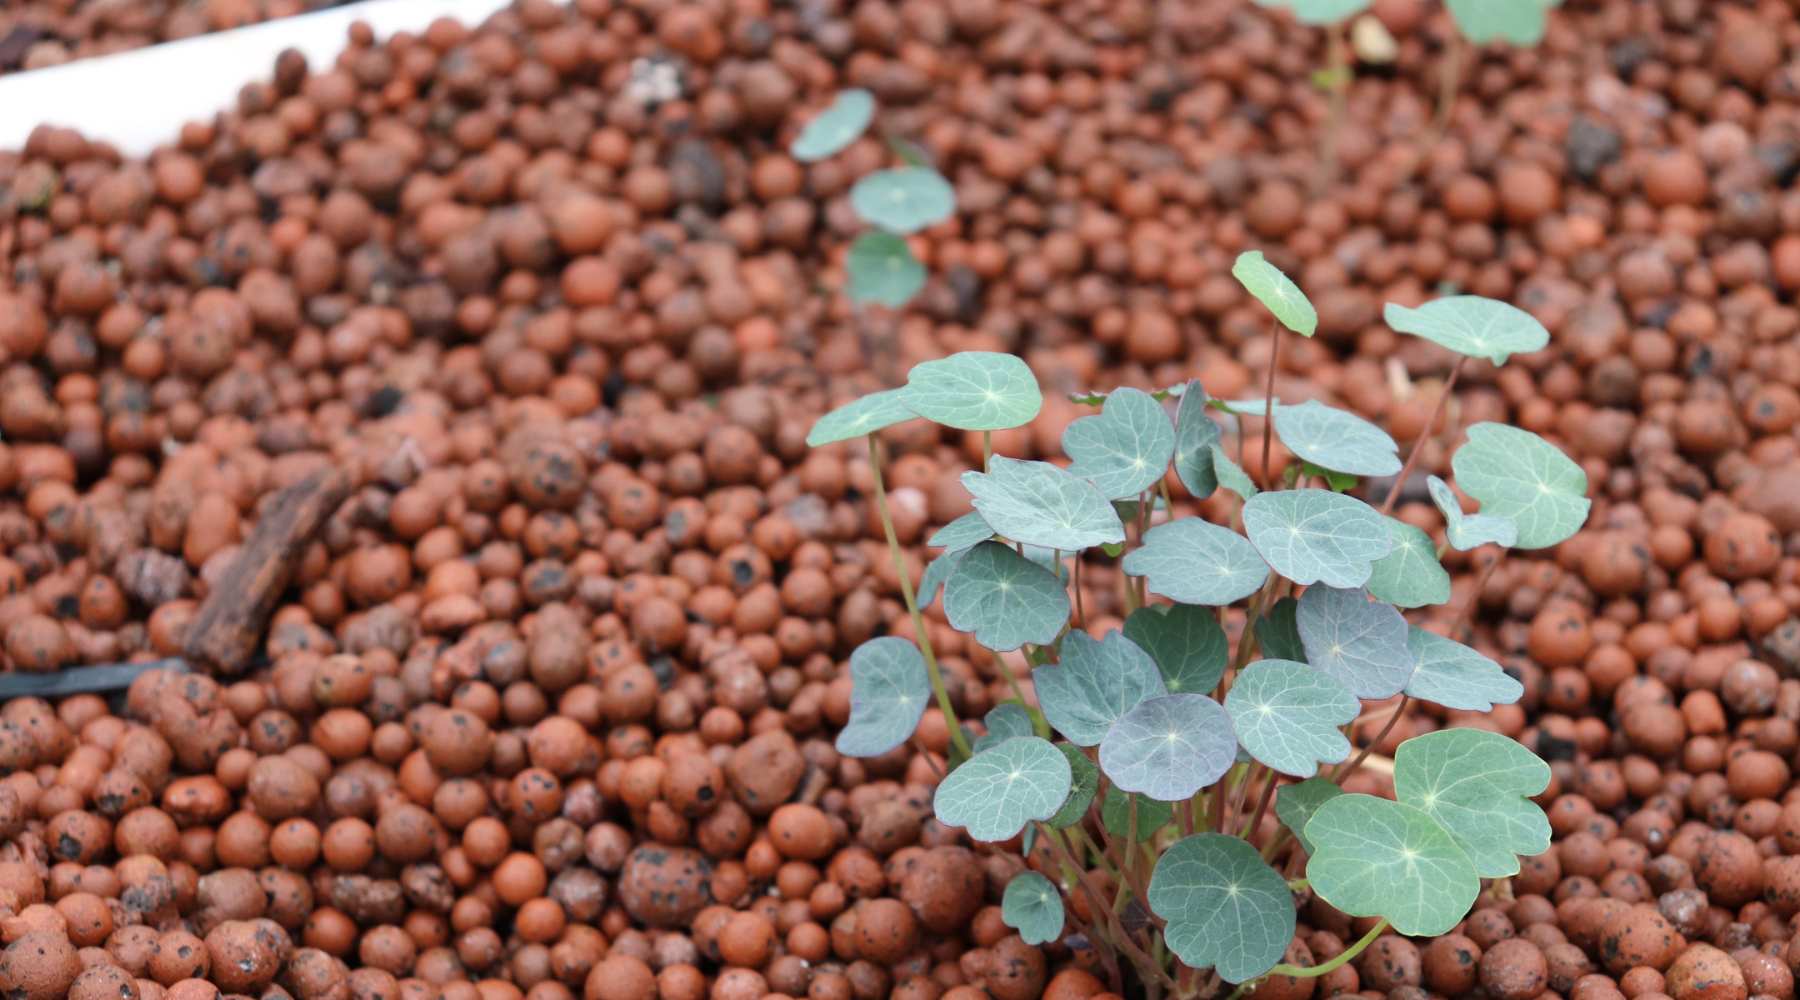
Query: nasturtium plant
(1469,324)
(1275,290)
(882,269)
(1253,639)
(904,200)
(836,127)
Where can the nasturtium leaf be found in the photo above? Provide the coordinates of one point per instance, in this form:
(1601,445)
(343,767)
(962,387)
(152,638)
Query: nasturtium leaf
(1225,907)
(1470,324)
(1197,562)
(860,417)
(836,127)
(996,792)
(1042,504)
(882,269)
(1316,536)
(1097,681)
(1450,674)
(1278,632)
(1319,11)
(936,573)
(1195,435)
(888,693)
(1525,479)
(1125,448)
(1477,786)
(1005,599)
(1230,475)
(1186,642)
(1296,803)
(974,391)
(1083,783)
(1032,906)
(1336,439)
(1375,857)
(1243,407)
(965,532)
(1337,482)
(1518,22)
(1169,747)
(1469,531)
(1287,715)
(1129,510)
(1115,814)
(1409,576)
(1357,642)
(903,200)
(1004,721)
(1276,291)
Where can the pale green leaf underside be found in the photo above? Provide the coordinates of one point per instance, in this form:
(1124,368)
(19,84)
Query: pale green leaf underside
(1519,22)
(1521,477)
(936,573)
(1084,782)
(1004,721)
(1097,681)
(836,127)
(1409,576)
(1450,674)
(1042,504)
(1296,803)
(1226,908)
(1195,435)
(1287,715)
(974,391)
(903,200)
(1377,858)
(1336,439)
(882,269)
(1169,747)
(1319,11)
(1186,642)
(1230,475)
(1243,407)
(1032,906)
(1469,531)
(996,792)
(1278,632)
(965,532)
(1276,291)
(1357,642)
(1470,324)
(1197,562)
(1477,785)
(860,417)
(888,693)
(1125,448)
(1115,814)
(1005,599)
(1313,536)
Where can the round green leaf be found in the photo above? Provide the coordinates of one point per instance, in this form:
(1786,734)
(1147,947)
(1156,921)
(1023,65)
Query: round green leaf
(974,391)
(1450,674)
(936,573)
(1186,642)
(1197,562)
(1296,803)
(1287,715)
(1313,536)
(1169,747)
(1521,477)
(860,417)
(1477,786)
(1230,475)
(1195,435)
(1336,439)
(888,693)
(1125,448)
(835,127)
(965,532)
(1276,291)
(1409,576)
(1115,814)
(883,269)
(1096,681)
(1470,324)
(1376,858)
(1357,642)
(1032,906)
(1469,531)
(996,792)
(1520,22)
(1084,782)
(1042,504)
(1005,599)
(1224,906)
(1319,11)
(1004,721)
(1278,632)
(903,200)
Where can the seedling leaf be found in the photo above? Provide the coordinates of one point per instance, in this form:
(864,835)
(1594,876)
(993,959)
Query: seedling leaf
(1169,747)
(974,391)
(836,127)
(965,532)
(903,200)
(1043,504)
(1520,22)
(1242,407)
(1319,11)
(1336,439)
(1097,681)
(1287,715)
(996,792)
(1197,562)
(858,417)
(1278,632)
(1230,475)
(1276,291)
(1115,814)
(1470,324)
(1032,906)
(1084,782)
(1296,803)
(883,269)
(1005,599)
(1225,907)
(1469,531)
(1312,536)
(1186,642)
(1451,674)
(936,573)
(1195,435)
(1373,857)
(1519,476)
(1125,448)
(1004,721)
(888,693)
(1409,576)
(1477,786)
(1357,642)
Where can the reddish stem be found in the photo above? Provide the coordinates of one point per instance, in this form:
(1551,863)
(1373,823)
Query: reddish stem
(1418,448)
(1268,474)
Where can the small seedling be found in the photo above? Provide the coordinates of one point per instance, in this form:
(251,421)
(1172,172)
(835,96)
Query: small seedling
(1334,16)
(1248,652)
(1518,23)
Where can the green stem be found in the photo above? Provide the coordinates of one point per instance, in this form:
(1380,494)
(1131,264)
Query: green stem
(1312,971)
(1418,447)
(1338,57)
(912,604)
(1296,884)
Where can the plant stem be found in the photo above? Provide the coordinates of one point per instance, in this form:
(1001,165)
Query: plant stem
(1312,971)
(1467,613)
(1343,773)
(1338,66)
(1297,884)
(987,449)
(1412,457)
(1269,404)
(1262,805)
(1080,607)
(1147,968)
(1449,81)
(912,604)
(1077,874)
